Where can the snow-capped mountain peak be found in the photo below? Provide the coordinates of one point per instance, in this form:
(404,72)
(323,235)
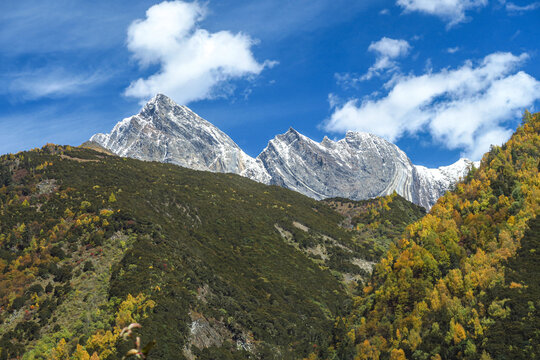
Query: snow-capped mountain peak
(433,183)
(164,131)
(359,166)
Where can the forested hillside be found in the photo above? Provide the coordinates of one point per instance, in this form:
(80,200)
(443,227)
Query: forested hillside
(463,282)
(211,265)
(92,242)
(377,222)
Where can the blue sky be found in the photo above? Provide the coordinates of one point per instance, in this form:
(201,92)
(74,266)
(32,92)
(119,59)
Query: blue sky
(440,78)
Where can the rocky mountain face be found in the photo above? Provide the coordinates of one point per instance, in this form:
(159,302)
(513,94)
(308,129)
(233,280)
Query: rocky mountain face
(360,166)
(430,184)
(166,132)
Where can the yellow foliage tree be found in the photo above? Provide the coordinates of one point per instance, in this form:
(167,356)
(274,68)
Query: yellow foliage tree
(60,352)
(397,354)
(131,310)
(457,331)
(80,353)
(103,342)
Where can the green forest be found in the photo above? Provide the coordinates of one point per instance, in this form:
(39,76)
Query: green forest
(216,266)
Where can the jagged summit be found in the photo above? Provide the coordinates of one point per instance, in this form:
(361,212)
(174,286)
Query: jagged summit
(162,98)
(166,132)
(291,136)
(350,134)
(359,166)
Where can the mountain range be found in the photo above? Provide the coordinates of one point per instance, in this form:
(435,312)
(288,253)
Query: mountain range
(212,265)
(358,167)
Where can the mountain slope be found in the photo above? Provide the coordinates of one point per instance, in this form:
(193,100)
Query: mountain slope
(358,167)
(517,335)
(378,222)
(212,265)
(444,290)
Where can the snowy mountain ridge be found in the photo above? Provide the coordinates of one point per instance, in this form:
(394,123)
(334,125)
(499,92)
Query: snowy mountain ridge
(357,167)
(166,132)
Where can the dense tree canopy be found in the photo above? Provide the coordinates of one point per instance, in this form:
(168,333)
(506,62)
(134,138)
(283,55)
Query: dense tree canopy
(442,291)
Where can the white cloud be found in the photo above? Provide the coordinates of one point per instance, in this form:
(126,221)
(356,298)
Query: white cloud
(194,63)
(511,7)
(390,48)
(52,82)
(453,11)
(386,49)
(464,108)
(453,50)
(333,100)
(497,136)
(348,80)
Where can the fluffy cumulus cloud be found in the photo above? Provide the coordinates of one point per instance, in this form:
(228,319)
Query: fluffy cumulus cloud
(453,11)
(194,64)
(386,50)
(467,108)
